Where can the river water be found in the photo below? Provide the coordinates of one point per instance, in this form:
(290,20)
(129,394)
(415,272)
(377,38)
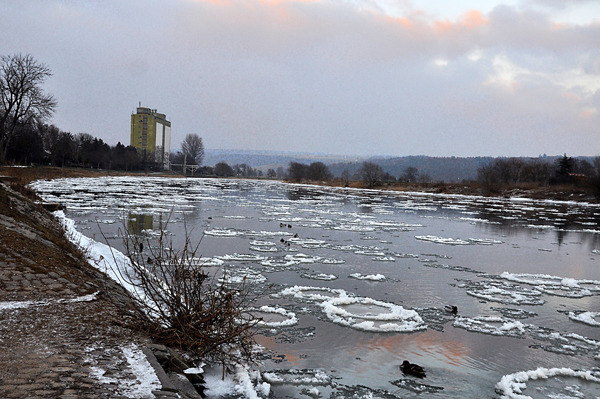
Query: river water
(357,281)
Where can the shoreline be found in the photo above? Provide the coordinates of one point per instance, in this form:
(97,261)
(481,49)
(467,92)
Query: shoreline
(563,193)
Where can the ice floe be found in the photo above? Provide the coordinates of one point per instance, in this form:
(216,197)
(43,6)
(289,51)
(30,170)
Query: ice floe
(275,317)
(442,240)
(589,318)
(242,275)
(458,241)
(223,232)
(493,325)
(503,292)
(512,386)
(298,377)
(241,258)
(319,276)
(370,277)
(368,314)
(361,313)
(554,285)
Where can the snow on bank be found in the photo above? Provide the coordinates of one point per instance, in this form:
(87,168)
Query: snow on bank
(10,305)
(114,263)
(141,386)
(108,260)
(511,386)
(246,383)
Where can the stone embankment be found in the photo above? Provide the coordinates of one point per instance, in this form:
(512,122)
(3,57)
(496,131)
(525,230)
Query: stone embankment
(64,327)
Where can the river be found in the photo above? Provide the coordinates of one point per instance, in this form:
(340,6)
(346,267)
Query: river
(357,281)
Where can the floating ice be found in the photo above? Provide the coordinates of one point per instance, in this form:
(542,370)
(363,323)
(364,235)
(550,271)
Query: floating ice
(458,241)
(384,259)
(259,243)
(515,313)
(401,255)
(441,240)
(264,249)
(371,277)
(223,232)
(416,386)
(493,325)
(511,386)
(586,317)
(241,258)
(308,259)
(275,265)
(297,377)
(242,275)
(369,253)
(309,243)
(484,241)
(368,314)
(319,276)
(206,262)
(275,317)
(554,285)
(503,292)
(311,294)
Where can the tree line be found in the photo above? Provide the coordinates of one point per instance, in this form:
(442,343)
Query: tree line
(48,145)
(565,170)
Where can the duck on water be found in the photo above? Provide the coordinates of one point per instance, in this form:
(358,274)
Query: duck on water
(412,369)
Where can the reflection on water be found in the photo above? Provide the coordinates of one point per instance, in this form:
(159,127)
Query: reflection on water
(137,223)
(359,280)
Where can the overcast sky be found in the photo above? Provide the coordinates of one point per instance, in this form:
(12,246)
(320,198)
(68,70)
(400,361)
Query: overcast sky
(348,77)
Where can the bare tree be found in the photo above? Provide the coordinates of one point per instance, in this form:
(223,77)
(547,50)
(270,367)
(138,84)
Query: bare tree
(345,177)
(22,100)
(318,171)
(410,174)
(296,171)
(193,149)
(371,174)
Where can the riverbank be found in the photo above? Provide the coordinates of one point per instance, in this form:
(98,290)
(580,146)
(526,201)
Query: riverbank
(25,175)
(65,330)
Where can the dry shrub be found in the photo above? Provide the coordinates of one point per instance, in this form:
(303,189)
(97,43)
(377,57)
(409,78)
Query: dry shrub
(180,304)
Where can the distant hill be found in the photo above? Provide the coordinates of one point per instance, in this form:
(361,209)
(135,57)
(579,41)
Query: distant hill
(264,160)
(446,169)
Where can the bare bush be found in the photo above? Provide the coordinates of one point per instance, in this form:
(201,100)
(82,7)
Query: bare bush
(180,304)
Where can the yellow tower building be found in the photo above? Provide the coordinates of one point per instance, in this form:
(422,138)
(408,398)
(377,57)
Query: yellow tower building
(151,134)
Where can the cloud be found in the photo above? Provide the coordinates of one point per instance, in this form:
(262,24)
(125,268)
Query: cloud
(367,77)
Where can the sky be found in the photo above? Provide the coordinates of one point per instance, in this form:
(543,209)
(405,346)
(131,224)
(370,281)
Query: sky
(347,77)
